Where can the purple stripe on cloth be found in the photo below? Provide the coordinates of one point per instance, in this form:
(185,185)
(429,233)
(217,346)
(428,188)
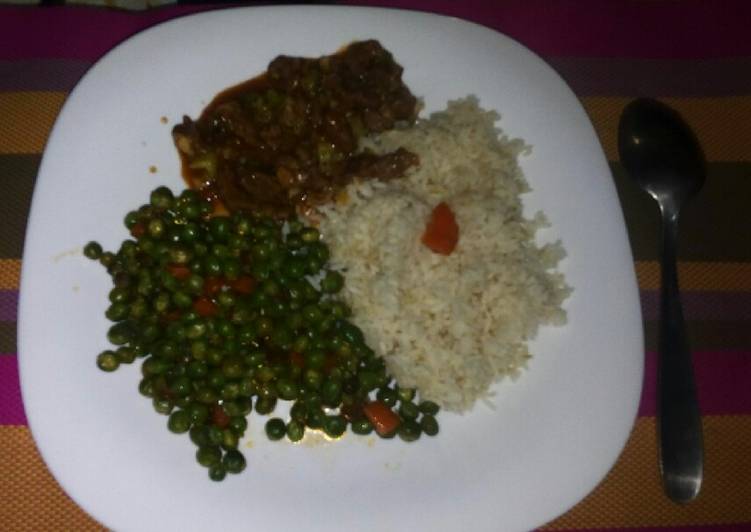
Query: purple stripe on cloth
(74,32)
(722,381)
(686,78)
(701,306)
(690,29)
(41,74)
(8,305)
(11,406)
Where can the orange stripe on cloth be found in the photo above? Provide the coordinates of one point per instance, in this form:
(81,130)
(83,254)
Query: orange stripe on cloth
(31,498)
(10,274)
(708,276)
(27,119)
(631,495)
(722,125)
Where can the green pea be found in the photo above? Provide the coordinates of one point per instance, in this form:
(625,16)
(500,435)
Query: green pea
(107,259)
(334,426)
(126,355)
(199,435)
(299,411)
(429,407)
(181,387)
(362,426)
(312,379)
(117,311)
(405,394)
(295,431)
(368,380)
(206,396)
(234,462)
(92,250)
(162,198)
(315,418)
(312,314)
(217,472)
(275,429)
(239,424)
(156,228)
(179,422)
(146,387)
(199,413)
(320,251)
(215,435)
(429,425)
(310,235)
(107,361)
(230,391)
(409,430)
(264,326)
(208,455)
(212,266)
(163,405)
(409,410)
(332,282)
(387,396)
(230,440)
(331,392)
(265,405)
(286,389)
(120,333)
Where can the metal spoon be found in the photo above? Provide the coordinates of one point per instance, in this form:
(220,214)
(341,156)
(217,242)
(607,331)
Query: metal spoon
(662,155)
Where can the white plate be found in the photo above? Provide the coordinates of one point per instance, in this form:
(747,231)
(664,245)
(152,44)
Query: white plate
(552,436)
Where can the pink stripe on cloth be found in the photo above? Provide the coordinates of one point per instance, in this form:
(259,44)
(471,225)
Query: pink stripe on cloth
(11,406)
(736,527)
(691,29)
(722,382)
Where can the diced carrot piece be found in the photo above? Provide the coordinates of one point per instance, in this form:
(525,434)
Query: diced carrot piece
(384,420)
(212,286)
(296,359)
(219,417)
(178,271)
(441,233)
(204,307)
(243,284)
(138,230)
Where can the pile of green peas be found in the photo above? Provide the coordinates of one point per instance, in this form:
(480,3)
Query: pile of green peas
(224,315)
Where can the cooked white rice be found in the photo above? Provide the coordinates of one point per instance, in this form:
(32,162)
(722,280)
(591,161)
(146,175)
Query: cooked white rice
(448,325)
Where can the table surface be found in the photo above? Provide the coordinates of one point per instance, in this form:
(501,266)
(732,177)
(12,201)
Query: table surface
(696,56)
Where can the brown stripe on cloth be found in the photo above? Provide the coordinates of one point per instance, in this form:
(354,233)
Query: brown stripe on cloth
(707,335)
(8,345)
(17,177)
(631,495)
(625,76)
(697,305)
(32,115)
(717,276)
(32,499)
(715,225)
(723,125)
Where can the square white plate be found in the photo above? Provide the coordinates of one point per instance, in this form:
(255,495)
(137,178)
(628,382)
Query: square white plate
(552,436)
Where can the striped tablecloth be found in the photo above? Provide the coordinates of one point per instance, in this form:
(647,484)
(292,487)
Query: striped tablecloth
(694,55)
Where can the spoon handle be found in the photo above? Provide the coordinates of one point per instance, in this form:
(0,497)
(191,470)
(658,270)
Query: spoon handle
(679,420)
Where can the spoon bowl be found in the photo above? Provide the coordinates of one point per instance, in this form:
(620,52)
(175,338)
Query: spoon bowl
(662,155)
